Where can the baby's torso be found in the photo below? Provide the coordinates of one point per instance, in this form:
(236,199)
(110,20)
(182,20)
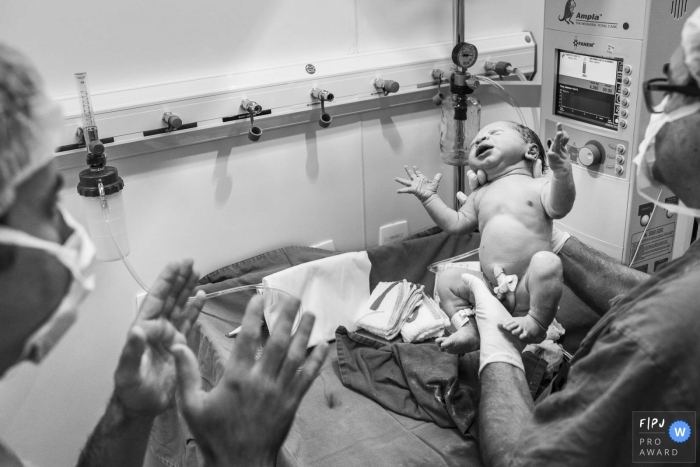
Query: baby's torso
(513,223)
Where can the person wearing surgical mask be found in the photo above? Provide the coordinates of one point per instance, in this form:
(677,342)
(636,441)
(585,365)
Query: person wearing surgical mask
(643,353)
(45,274)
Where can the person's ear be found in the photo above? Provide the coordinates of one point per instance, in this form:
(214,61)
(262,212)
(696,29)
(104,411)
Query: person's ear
(532,153)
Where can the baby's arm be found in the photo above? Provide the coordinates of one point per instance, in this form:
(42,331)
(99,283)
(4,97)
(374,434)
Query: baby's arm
(449,220)
(453,222)
(558,195)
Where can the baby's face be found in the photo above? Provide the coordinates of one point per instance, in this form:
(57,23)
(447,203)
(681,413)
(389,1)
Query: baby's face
(496,147)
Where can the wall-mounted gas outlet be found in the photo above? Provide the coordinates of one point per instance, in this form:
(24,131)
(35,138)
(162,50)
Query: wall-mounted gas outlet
(393,232)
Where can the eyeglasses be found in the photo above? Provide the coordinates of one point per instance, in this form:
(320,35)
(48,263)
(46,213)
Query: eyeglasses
(656,89)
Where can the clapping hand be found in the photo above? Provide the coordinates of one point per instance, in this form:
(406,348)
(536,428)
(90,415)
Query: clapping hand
(245,418)
(145,376)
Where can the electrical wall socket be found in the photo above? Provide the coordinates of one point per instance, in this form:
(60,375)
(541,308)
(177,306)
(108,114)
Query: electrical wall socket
(325,245)
(393,232)
(139,300)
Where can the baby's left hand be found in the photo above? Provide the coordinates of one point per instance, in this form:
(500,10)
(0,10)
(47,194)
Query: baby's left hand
(558,155)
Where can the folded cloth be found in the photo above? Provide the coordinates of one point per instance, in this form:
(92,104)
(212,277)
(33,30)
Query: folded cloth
(333,288)
(426,322)
(388,308)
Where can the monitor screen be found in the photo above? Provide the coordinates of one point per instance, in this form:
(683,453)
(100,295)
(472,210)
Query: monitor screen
(588,89)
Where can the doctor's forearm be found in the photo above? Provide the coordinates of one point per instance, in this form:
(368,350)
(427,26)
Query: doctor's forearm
(119,439)
(505,408)
(595,277)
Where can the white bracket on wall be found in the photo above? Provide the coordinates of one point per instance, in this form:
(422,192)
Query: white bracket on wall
(136,114)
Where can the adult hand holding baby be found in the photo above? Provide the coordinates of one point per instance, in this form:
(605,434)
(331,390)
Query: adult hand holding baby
(496,345)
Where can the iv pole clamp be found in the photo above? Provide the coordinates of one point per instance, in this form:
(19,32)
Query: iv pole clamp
(323,96)
(253,109)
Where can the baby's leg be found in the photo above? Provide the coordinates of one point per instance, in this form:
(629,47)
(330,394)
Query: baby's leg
(454,297)
(543,282)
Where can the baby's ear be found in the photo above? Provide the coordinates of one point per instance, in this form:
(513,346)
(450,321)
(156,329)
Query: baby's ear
(532,153)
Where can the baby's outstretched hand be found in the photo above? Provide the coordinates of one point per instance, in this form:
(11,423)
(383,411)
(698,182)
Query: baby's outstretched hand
(558,155)
(419,184)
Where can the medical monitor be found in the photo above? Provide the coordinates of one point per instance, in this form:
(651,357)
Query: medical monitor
(588,89)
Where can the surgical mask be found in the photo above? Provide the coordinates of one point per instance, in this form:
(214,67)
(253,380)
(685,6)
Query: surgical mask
(647,186)
(76,254)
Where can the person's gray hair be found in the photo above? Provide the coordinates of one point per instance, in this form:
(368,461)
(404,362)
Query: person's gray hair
(25,123)
(690,43)
(23,148)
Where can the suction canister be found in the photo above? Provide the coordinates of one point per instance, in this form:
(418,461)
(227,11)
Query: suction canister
(101,191)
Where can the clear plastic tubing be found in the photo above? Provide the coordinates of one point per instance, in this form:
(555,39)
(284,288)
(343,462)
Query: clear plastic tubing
(535,115)
(127,263)
(110,236)
(509,99)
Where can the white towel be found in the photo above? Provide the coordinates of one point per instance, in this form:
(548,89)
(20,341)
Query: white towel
(426,322)
(333,288)
(388,308)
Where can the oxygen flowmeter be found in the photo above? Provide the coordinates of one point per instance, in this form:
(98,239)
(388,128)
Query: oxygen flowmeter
(101,187)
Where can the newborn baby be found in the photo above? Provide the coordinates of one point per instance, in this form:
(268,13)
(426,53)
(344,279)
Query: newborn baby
(514,213)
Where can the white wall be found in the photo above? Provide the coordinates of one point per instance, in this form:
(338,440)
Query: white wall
(134,42)
(225,201)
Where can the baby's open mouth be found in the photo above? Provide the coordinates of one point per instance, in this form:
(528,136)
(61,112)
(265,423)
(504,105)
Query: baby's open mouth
(482,148)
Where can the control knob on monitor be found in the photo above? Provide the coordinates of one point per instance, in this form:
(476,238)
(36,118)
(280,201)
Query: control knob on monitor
(591,154)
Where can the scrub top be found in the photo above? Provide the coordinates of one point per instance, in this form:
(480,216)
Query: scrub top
(643,355)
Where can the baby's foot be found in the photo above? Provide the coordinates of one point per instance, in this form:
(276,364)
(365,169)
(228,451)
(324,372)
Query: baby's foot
(464,340)
(525,328)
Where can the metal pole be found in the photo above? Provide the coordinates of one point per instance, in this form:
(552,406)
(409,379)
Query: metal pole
(458,23)
(458,36)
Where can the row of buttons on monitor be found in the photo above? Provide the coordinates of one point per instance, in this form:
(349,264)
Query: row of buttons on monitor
(620,159)
(593,154)
(627,81)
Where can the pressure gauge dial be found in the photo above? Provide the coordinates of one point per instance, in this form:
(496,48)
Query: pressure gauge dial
(464,54)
